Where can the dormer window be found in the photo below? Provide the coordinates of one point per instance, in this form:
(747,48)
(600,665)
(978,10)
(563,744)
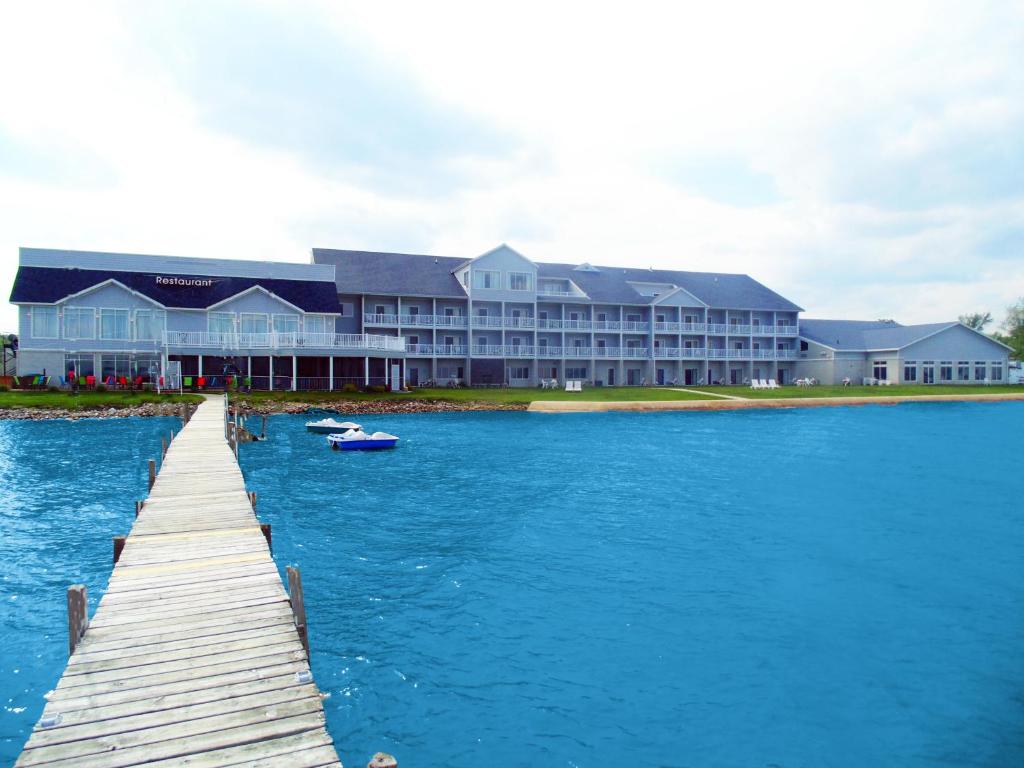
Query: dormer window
(520,281)
(486,278)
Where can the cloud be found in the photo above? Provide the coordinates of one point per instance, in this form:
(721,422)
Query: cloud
(863,160)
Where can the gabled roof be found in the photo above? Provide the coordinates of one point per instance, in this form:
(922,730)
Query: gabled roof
(867,335)
(405,274)
(49,285)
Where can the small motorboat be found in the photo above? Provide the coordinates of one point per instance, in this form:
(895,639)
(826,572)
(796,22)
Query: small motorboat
(357,440)
(329,426)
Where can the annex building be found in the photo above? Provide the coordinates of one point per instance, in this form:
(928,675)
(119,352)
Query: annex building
(363,317)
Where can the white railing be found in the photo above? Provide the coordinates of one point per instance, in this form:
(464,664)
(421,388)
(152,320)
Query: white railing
(692,353)
(372,319)
(668,327)
(737,329)
(786,354)
(486,321)
(762,330)
(633,325)
(717,328)
(607,325)
(519,322)
(450,350)
(693,327)
(787,330)
(420,320)
(553,292)
(273,340)
(506,350)
(450,321)
(419,349)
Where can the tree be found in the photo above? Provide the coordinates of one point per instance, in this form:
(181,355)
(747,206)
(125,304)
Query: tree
(976,320)
(1013,327)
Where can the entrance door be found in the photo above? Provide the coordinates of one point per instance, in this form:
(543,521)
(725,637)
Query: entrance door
(780,376)
(611,377)
(414,376)
(661,377)
(688,377)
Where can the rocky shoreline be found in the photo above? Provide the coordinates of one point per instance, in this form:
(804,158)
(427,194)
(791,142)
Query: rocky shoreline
(337,406)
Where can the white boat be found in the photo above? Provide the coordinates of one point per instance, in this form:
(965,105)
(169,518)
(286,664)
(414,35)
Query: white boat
(357,440)
(329,426)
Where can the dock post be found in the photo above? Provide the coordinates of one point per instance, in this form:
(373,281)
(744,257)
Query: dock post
(138,508)
(171,438)
(118,547)
(78,615)
(265,527)
(152,473)
(163,448)
(263,427)
(252,500)
(298,605)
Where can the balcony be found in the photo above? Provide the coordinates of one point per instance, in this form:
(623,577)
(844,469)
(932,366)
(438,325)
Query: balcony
(736,329)
(241,342)
(634,325)
(450,321)
(506,350)
(718,328)
(667,327)
(487,321)
(373,319)
(787,330)
(693,328)
(417,321)
(519,322)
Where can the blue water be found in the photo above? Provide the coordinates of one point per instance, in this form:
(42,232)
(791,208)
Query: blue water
(66,487)
(819,587)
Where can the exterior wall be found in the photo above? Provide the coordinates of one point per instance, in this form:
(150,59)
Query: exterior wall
(956,343)
(35,362)
(257,302)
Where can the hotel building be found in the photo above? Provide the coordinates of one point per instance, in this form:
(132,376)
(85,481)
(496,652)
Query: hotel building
(359,317)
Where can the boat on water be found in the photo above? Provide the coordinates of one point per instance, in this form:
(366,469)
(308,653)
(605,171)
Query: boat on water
(357,440)
(329,426)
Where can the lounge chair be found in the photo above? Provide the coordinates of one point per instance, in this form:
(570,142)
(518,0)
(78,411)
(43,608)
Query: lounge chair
(772,384)
(755,383)
(568,386)
(577,386)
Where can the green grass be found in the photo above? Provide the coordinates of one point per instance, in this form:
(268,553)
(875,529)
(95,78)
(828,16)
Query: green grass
(791,391)
(526,395)
(86,400)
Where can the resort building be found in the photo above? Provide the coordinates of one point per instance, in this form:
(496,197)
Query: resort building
(127,317)
(832,351)
(501,318)
(361,317)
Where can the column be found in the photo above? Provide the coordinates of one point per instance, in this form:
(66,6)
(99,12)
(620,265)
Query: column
(270,370)
(200,366)
(387,372)
(366,371)
(295,372)
(330,373)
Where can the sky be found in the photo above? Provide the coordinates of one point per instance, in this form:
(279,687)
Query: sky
(865,160)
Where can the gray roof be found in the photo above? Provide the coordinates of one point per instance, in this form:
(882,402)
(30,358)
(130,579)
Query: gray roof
(419,275)
(403,274)
(860,335)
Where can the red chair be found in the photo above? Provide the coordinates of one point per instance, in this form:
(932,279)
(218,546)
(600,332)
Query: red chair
(138,382)
(201,382)
(123,381)
(90,381)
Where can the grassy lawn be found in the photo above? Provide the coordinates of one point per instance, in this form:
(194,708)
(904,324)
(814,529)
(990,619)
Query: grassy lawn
(84,400)
(475,395)
(840,391)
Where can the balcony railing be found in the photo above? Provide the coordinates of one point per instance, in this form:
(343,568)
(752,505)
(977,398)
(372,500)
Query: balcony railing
(374,319)
(450,321)
(421,321)
(667,327)
(737,329)
(487,321)
(273,340)
(717,328)
(519,322)
(504,350)
(787,330)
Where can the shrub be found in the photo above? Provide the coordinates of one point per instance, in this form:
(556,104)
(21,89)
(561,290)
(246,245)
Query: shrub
(101,387)
(3,388)
(147,386)
(349,387)
(53,388)
(376,389)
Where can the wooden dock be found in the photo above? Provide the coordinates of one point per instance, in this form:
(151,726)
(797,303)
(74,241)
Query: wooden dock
(193,656)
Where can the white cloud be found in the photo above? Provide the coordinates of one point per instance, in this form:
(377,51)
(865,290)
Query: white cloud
(888,131)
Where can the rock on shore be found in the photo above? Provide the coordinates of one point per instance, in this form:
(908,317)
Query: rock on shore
(339,406)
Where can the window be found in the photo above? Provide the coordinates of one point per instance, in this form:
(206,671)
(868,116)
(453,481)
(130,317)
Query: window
(928,372)
(220,322)
(486,278)
(44,323)
(520,372)
(481,311)
(601,343)
(910,371)
(997,371)
(150,324)
(481,341)
(963,371)
(82,365)
(542,314)
(116,366)
(317,324)
(756,346)
(633,318)
(114,324)
(575,373)
(412,340)
(286,323)
(880,370)
(520,281)
(379,309)
(659,318)
(465,278)
(803,346)
(517,341)
(946,370)
(979,371)
(79,323)
(449,341)
(413,311)
(347,310)
(542,343)
(602,317)
(737,345)
(577,343)
(252,322)
(449,312)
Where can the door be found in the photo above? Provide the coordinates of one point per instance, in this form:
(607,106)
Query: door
(661,377)
(780,376)
(396,378)
(414,377)
(611,377)
(689,377)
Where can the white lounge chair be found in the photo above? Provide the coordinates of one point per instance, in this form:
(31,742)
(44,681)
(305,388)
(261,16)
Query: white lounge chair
(772,384)
(577,386)
(568,386)
(755,383)
(763,384)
